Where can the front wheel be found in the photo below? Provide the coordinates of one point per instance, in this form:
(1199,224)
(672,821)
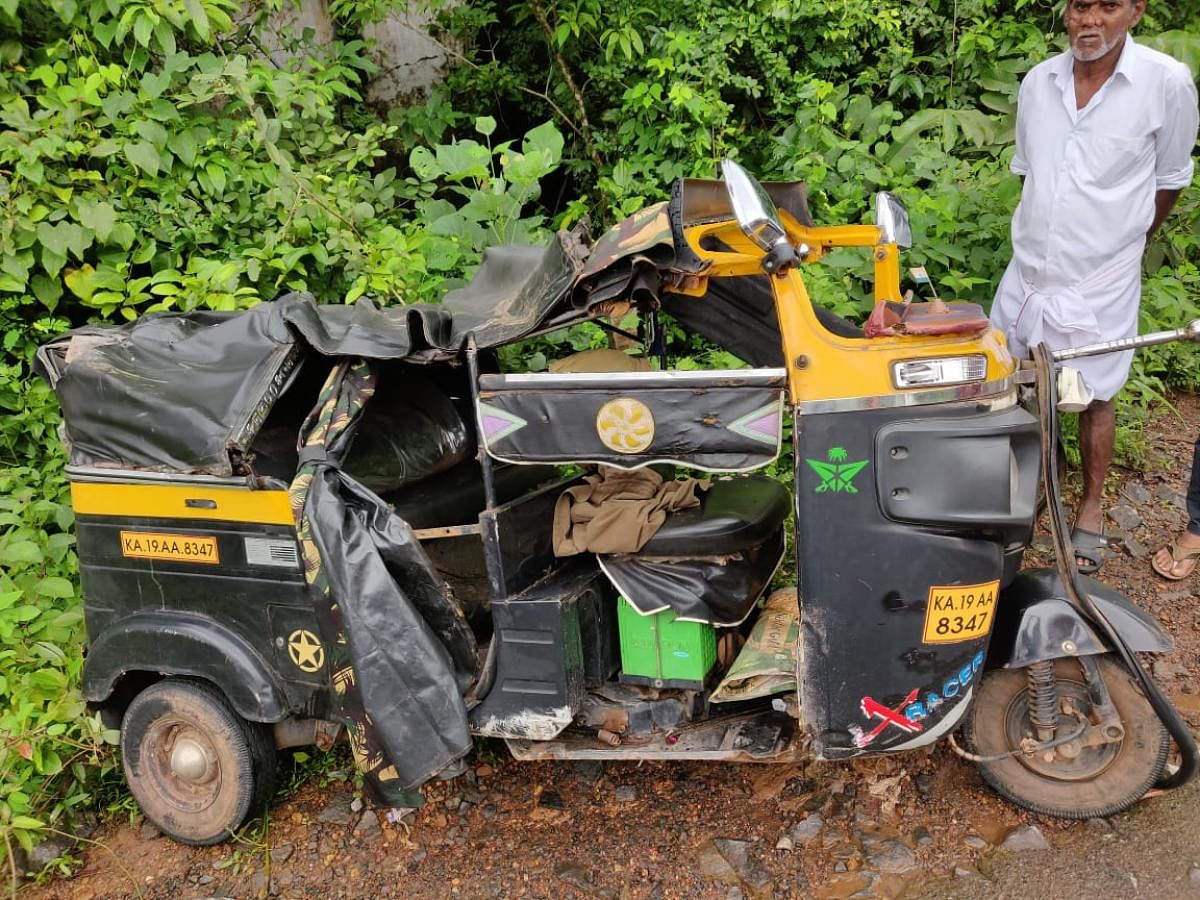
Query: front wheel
(1074,781)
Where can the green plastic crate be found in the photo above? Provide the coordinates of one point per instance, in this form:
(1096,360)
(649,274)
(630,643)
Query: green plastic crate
(663,651)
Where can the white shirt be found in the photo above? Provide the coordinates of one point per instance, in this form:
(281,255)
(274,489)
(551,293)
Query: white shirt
(1091,176)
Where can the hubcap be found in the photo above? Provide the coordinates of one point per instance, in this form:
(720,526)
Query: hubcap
(188,761)
(182,763)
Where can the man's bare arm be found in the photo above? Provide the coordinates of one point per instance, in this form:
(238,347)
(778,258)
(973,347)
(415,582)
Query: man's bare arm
(1164,201)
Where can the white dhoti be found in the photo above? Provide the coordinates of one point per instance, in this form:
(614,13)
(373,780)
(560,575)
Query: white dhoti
(1102,307)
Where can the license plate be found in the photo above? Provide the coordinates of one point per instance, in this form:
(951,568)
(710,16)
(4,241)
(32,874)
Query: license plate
(960,612)
(175,547)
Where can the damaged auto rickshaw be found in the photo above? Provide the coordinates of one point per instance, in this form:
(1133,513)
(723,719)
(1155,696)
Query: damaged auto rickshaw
(303,518)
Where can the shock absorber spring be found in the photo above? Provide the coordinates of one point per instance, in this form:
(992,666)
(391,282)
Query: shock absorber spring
(1042,700)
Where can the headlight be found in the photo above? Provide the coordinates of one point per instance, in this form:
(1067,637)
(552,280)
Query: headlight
(939,370)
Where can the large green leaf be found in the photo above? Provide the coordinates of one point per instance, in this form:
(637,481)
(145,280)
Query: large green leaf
(546,138)
(99,216)
(152,132)
(54,238)
(183,145)
(47,290)
(117,104)
(199,18)
(143,155)
(55,587)
(1001,103)
(53,261)
(463,160)
(21,552)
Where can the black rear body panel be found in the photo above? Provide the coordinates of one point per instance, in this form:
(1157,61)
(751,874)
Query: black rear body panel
(870,681)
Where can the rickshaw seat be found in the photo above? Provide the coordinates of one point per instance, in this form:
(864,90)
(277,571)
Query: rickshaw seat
(734,514)
(712,563)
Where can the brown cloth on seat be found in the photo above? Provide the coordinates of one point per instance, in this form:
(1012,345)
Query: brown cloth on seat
(937,317)
(617,511)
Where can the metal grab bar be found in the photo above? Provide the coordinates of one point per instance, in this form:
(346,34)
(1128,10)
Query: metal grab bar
(1189,332)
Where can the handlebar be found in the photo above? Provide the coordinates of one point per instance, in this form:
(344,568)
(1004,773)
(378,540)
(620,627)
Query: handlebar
(1189,332)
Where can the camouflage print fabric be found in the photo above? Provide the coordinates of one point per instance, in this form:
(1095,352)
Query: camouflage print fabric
(345,392)
(326,433)
(641,233)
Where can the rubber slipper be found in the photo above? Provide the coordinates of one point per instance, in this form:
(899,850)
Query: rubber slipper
(1088,545)
(1178,555)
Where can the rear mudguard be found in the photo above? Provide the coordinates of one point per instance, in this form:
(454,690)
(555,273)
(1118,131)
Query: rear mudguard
(174,643)
(1035,622)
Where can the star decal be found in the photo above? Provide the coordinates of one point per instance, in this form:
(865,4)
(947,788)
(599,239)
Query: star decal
(306,650)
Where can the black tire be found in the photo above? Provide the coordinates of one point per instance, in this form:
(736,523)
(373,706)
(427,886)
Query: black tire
(1099,781)
(266,761)
(195,767)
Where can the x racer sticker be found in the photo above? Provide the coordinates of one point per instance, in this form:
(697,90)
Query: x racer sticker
(872,709)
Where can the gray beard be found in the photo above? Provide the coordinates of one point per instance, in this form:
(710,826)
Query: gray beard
(1092,55)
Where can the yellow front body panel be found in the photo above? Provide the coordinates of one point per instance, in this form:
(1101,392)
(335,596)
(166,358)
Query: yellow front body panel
(825,366)
(821,365)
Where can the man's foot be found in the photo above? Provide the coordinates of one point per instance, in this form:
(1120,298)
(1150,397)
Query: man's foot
(1178,559)
(1087,538)
(1089,550)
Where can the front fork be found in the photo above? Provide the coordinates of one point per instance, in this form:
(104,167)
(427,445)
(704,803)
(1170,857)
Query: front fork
(1042,702)
(1101,724)
(1043,694)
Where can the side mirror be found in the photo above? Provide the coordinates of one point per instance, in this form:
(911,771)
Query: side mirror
(891,218)
(752,208)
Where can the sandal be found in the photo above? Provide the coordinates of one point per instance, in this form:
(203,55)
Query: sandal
(1178,555)
(1088,545)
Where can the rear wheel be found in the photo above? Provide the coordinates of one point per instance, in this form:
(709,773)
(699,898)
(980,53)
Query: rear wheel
(196,768)
(1073,781)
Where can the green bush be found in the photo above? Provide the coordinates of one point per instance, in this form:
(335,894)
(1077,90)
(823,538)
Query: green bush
(161,174)
(50,748)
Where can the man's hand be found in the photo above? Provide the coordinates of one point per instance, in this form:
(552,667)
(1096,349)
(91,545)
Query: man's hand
(1164,201)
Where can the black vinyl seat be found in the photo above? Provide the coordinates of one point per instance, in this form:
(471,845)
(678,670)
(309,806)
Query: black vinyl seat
(734,515)
(711,563)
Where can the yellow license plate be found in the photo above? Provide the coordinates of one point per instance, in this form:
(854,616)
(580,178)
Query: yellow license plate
(176,547)
(960,612)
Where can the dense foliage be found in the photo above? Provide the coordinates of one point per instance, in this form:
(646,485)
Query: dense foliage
(153,156)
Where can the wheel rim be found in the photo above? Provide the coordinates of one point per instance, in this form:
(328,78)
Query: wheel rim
(182,764)
(1070,762)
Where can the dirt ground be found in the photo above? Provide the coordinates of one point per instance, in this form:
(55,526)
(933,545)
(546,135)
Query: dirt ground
(915,825)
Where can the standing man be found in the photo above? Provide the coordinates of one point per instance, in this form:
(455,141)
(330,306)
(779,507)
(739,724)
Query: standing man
(1105,133)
